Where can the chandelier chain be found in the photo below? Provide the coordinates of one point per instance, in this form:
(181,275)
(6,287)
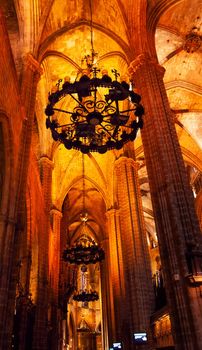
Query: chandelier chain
(83,176)
(91,28)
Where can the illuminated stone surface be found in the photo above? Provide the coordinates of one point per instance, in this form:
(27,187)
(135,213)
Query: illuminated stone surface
(42,182)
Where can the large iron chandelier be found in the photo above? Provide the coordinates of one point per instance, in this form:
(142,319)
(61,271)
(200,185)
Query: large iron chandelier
(95,124)
(106,114)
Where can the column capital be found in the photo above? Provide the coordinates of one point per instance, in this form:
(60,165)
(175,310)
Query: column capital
(33,64)
(127,161)
(56,212)
(112,212)
(144,60)
(47,161)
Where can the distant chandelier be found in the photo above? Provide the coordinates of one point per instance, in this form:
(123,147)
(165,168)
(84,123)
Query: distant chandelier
(192,42)
(84,251)
(86,296)
(107,113)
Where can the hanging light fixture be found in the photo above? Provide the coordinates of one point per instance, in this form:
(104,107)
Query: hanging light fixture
(85,250)
(81,256)
(192,42)
(86,296)
(99,121)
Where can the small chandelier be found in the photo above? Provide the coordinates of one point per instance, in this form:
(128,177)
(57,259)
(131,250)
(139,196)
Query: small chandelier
(107,112)
(86,296)
(85,250)
(192,42)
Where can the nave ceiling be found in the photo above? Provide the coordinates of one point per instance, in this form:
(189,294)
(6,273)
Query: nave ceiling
(58,33)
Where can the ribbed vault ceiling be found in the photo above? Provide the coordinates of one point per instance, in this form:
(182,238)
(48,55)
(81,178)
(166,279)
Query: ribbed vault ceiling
(58,32)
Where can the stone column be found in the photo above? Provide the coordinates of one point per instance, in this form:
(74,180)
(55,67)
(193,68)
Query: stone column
(64,334)
(137,294)
(46,168)
(116,274)
(7,294)
(30,77)
(24,306)
(56,218)
(106,297)
(176,223)
(41,318)
(31,74)
(13,238)
(54,270)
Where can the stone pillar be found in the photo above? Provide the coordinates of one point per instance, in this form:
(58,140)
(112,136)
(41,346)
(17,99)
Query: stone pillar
(56,218)
(13,238)
(24,306)
(106,297)
(54,271)
(46,167)
(7,313)
(30,77)
(176,223)
(31,74)
(116,275)
(198,206)
(41,316)
(136,302)
(64,334)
